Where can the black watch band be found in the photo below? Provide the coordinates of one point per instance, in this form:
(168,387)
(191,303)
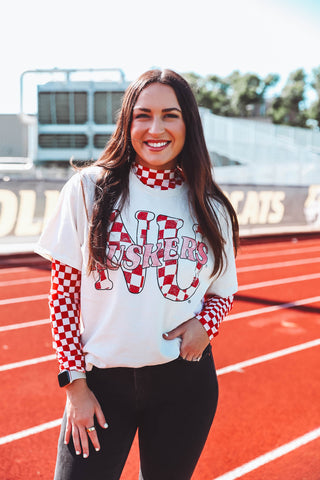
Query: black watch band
(66,377)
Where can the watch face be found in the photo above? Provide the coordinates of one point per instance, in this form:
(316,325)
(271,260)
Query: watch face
(64,378)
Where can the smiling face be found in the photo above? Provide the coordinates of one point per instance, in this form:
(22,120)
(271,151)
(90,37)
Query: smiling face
(157,130)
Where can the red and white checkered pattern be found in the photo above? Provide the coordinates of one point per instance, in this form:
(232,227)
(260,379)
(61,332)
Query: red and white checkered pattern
(65,315)
(167,275)
(64,303)
(162,179)
(214,310)
(103,282)
(118,242)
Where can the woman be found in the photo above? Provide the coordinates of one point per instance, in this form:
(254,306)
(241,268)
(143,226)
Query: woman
(145,239)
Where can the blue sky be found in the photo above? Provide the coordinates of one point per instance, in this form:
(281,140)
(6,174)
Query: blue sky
(203,36)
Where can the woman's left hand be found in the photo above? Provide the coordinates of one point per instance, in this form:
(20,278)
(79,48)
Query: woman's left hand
(194,339)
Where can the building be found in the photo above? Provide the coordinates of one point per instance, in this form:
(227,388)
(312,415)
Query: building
(76,118)
(16,137)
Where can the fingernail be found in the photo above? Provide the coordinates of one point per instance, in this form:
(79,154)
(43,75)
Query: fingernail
(77,452)
(97,449)
(105,425)
(85,455)
(166,334)
(65,442)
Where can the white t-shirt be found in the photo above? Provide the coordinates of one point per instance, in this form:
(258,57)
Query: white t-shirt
(164,270)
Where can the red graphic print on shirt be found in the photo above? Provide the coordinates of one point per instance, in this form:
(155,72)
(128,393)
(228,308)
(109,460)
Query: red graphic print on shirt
(122,251)
(135,258)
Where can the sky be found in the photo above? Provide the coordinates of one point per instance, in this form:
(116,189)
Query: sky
(202,36)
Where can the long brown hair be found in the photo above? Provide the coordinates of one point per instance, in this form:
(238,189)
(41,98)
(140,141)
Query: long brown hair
(194,161)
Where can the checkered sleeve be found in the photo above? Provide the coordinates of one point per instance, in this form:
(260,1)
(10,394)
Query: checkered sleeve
(64,304)
(214,310)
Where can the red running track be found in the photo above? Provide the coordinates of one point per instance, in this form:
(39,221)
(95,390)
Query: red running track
(267,426)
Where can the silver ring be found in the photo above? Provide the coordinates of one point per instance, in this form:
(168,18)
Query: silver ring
(91,429)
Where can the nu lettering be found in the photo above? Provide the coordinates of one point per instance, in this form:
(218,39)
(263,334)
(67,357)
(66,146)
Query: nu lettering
(122,251)
(135,257)
(167,274)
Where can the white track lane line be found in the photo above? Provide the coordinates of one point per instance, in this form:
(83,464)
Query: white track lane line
(270,283)
(237,473)
(235,316)
(272,308)
(252,268)
(247,313)
(270,456)
(292,251)
(257,247)
(31,298)
(14,270)
(221,371)
(278,281)
(24,281)
(236,367)
(27,363)
(17,326)
(267,266)
(30,431)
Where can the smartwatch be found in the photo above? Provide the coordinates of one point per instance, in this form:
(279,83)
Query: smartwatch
(68,376)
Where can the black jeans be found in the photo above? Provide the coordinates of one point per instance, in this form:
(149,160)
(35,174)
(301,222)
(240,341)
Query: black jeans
(172,407)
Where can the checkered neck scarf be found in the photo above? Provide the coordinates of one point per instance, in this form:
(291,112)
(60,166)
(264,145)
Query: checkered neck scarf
(162,179)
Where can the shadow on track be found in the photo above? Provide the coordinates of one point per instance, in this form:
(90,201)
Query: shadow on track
(265,301)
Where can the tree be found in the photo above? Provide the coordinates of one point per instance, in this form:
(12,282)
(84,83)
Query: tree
(288,108)
(314,110)
(248,91)
(211,92)
(235,95)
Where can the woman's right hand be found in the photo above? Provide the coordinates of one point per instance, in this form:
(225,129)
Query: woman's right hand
(82,406)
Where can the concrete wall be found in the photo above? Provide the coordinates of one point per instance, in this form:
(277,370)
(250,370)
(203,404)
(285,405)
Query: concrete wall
(13,136)
(25,206)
